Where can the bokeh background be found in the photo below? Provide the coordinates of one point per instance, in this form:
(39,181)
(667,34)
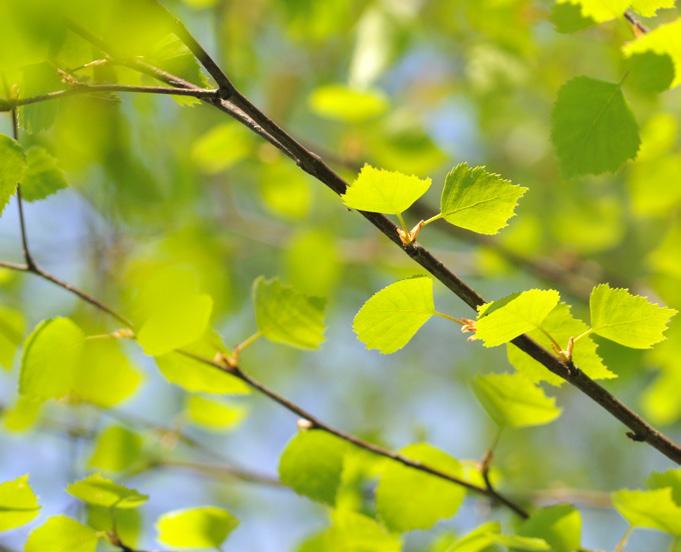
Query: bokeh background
(409,85)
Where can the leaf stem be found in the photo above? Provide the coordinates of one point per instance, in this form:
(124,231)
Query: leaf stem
(432,219)
(459,321)
(582,335)
(403,224)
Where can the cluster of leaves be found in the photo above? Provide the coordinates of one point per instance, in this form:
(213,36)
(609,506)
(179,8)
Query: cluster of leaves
(200,527)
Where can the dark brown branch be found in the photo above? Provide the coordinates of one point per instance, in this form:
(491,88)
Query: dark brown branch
(312,164)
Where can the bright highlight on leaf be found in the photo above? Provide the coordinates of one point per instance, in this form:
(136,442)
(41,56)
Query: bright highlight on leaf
(664,39)
(627,319)
(286,316)
(654,509)
(593,129)
(18,503)
(392,316)
(312,465)
(202,527)
(381,191)
(214,415)
(478,200)
(504,320)
(512,400)
(100,491)
(12,168)
(62,534)
(407,499)
(348,105)
(649,8)
(600,10)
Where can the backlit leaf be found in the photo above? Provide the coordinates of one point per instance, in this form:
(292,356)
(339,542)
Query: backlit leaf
(478,200)
(353,531)
(100,491)
(341,103)
(663,40)
(43,177)
(12,168)
(627,319)
(484,537)
(600,10)
(201,527)
(62,534)
(654,509)
(648,8)
(381,191)
(12,327)
(214,415)
(559,525)
(116,449)
(514,401)
(392,316)
(18,503)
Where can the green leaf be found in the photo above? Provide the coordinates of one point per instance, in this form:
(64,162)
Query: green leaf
(351,531)
(284,315)
(663,40)
(593,129)
(489,534)
(560,526)
(214,415)
(98,490)
(649,8)
(222,147)
(381,191)
(568,18)
(504,320)
(12,328)
(407,499)
(514,401)
(393,315)
(341,103)
(126,523)
(12,168)
(43,177)
(478,200)
(105,375)
(23,415)
(201,527)
(195,376)
(117,449)
(630,320)
(174,312)
(52,354)
(598,10)
(561,325)
(61,534)
(18,503)
(649,72)
(669,478)
(654,509)
(312,465)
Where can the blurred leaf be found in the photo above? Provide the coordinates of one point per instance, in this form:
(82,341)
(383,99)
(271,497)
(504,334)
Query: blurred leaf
(284,315)
(649,8)
(12,328)
(598,10)
(128,523)
(649,72)
(489,534)
(116,449)
(43,177)
(12,168)
(568,18)
(514,401)
(340,103)
(651,193)
(214,415)
(593,129)
(503,320)
(23,415)
(660,401)
(285,190)
(62,534)
(18,503)
(381,191)
(407,499)
(321,246)
(664,39)
(392,316)
(98,490)
(222,147)
(560,526)
(312,465)
(630,320)
(653,509)
(669,478)
(478,200)
(202,527)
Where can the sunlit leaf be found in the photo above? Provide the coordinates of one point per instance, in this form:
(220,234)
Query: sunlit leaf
(201,527)
(407,499)
(221,147)
(478,200)
(100,491)
(43,177)
(23,415)
(664,39)
(560,526)
(598,10)
(116,450)
(488,534)
(669,478)
(393,315)
(514,401)
(18,503)
(12,327)
(348,105)
(214,415)
(62,534)
(654,509)
(12,168)
(286,316)
(648,8)
(381,191)
(630,320)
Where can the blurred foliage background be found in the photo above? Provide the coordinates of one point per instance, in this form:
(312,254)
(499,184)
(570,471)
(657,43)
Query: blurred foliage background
(409,85)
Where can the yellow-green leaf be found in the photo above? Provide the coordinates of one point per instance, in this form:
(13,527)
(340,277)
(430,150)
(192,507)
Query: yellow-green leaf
(43,177)
(663,40)
(381,191)
(116,449)
(100,491)
(18,503)
(349,105)
(559,525)
(478,200)
(393,315)
(12,327)
(600,10)
(202,527)
(514,401)
(627,319)
(653,509)
(12,168)
(62,534)
(214,415)
(407,499)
